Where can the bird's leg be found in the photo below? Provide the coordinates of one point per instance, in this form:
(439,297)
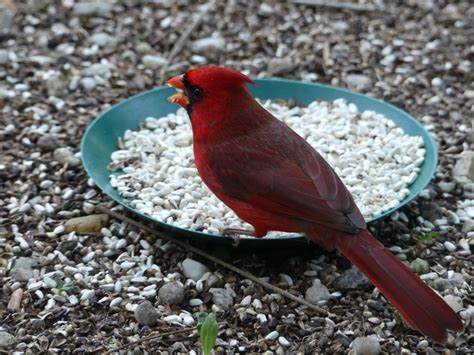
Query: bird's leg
(235,234)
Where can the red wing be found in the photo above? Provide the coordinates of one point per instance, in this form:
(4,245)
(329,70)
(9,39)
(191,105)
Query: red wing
(291,179)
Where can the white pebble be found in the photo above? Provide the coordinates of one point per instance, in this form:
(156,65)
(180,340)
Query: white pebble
(283,341)
(272,335)
(449,246)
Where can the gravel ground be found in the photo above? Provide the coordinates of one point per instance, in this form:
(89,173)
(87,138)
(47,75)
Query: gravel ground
(94,284)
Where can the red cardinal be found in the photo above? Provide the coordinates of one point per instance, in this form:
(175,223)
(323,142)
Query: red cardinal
(273,179)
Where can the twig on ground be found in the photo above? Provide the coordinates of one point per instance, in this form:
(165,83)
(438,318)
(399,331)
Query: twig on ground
(145,339)
(179,44)
(216,260)
(337,5)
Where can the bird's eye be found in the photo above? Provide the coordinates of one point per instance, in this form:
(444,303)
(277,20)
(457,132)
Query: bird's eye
(196,93)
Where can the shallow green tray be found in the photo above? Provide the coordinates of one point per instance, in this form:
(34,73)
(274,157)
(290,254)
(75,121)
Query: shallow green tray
(100,139)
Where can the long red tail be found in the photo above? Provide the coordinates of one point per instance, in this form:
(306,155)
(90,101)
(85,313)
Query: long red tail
(419,305)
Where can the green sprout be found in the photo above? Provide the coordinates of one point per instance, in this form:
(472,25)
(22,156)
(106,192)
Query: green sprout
(207,330)
(426,236)
(60,287)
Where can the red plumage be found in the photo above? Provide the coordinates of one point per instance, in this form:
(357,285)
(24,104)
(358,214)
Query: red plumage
(273,179)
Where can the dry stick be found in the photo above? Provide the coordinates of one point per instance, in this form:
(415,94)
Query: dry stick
(144,339)
(179,44)
(337,5)
(218,261)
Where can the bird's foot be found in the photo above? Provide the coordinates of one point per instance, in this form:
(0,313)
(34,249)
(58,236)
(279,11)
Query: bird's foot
(235,234)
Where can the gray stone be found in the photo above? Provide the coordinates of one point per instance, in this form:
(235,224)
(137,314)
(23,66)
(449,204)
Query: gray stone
(457,280)
(143,48)
(366,346)
(47,143)
(67,245)
(277,66)
(447,186)
(86,224)
(6,340)
(351,279)
(88,83)
(22,269)
(193,269)
(102,39)
(464,167)
(146,314)
(468,226)
(171,293)
(358,81)
(420,266)
(4,57)
(454,302)
(56,86)
(97,7)
(15,300)
(153,61)
(41,60)
(317,292)
(65,156)
(102,69)
(430,211)
(6,19)
(208,45)
(5,93)
(222,297)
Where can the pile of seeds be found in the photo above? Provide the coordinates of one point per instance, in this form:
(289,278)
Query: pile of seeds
(376,160)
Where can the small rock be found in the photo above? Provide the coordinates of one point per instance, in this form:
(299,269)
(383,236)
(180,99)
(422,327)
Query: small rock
(102,39)
(283,341)
(153,61)
(468,226)
(88,83)
(365,346)
(464,167)
(423,344)
(420,266)
(22,269)
(358,82)
(457,280)
(146,314)
(468,313)
(272,335)
(278,66)
(4,57)
(7,12)
(430,211)
(171,293)
(86,224)
(56,86)
(454,302)
(15,300)
(67,245)
(437,81)
(47,143)
(317,292)
(449,246)
(351,279)
(447,186)
(6,340)
(222,297)
(208,45)
(37,324)
(143,48)
(65,156)
(193,269)
(95,7)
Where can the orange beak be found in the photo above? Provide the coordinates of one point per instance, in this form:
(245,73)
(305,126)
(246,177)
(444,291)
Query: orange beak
(180,97)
